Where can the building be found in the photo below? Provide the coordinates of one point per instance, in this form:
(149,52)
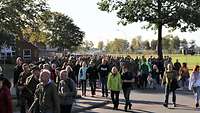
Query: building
(27,50)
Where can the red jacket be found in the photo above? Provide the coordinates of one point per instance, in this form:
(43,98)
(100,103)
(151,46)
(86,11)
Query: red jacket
(5,100)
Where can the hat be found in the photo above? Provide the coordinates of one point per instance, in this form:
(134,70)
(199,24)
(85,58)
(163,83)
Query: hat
(35,67)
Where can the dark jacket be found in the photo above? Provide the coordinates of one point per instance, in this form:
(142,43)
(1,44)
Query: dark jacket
(67,92)
(17,71)
(47,98)
(92,73)
(5,100)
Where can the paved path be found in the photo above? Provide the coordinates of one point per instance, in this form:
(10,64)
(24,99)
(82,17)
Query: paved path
(151,102)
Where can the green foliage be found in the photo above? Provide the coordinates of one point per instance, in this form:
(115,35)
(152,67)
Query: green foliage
(146,45)
(182,14)
(63,33)
(117,46)
(16,15)
(136,43)
(6,38)
(100,45)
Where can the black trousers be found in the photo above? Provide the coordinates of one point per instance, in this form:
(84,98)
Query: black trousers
(167,92)
(83,87)
(127,92)
(93,86)
(65,108)
(144,81)
(115,98)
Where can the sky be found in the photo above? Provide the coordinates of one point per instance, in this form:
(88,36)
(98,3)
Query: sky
(102,26)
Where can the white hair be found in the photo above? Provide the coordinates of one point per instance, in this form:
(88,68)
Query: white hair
(45,71)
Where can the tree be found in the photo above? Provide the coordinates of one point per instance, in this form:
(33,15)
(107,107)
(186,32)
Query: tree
(184,44)
(63,32)
(136,43)
(154,44)
(6,38)
(100,45)
(16,15)
(117,46)
(183,14)
(87,45)
(146,44)
(176,43)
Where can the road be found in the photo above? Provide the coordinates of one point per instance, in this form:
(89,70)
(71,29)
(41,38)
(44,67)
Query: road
(151,102)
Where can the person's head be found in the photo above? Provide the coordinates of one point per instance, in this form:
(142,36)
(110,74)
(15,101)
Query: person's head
(25,67)
(46,66)
(196,68)
(125,66)
(169,67)
(35,71)
(184,64)
(19,61)
(92,63)
(53,66)
(103,61)
(45,76)
(84,64)
(69,69)
(63,74)
(114,70)
(177,60)
(155,66)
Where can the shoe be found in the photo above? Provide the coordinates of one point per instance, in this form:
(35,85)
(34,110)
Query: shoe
(197,105)
(174,105)
(103,96)
(165,105)
(126,108)
(130,105)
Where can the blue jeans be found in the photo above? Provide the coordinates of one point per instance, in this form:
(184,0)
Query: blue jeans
(104,86)
(196,91)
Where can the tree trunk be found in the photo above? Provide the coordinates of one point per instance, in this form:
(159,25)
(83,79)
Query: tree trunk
(160,53)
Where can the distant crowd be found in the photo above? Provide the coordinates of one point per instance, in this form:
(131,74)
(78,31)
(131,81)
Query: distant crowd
(50,85)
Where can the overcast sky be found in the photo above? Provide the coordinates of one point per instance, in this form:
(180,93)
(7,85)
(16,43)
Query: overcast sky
(101,26)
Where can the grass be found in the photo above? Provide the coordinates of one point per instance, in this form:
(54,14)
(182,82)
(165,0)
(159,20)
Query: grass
(190,60)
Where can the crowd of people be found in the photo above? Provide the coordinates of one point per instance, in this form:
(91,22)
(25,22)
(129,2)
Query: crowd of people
(50,85)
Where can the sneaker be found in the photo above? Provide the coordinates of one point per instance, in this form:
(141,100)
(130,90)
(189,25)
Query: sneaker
(165,105)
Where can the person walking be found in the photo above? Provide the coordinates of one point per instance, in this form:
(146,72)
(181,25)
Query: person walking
(83,77)
(127,81)
(22,87)
(92,74)
(17,71)
(114,84)
(46,95)
(194,84)
(184,73)
(103,71)
(171,84)
(67,92)
(5,97)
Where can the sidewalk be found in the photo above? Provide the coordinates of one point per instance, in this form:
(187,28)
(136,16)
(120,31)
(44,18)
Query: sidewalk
(83,103)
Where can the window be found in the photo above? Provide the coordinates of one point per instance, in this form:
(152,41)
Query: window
(27,54)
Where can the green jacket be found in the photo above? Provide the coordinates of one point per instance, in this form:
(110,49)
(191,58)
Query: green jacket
(114,82)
